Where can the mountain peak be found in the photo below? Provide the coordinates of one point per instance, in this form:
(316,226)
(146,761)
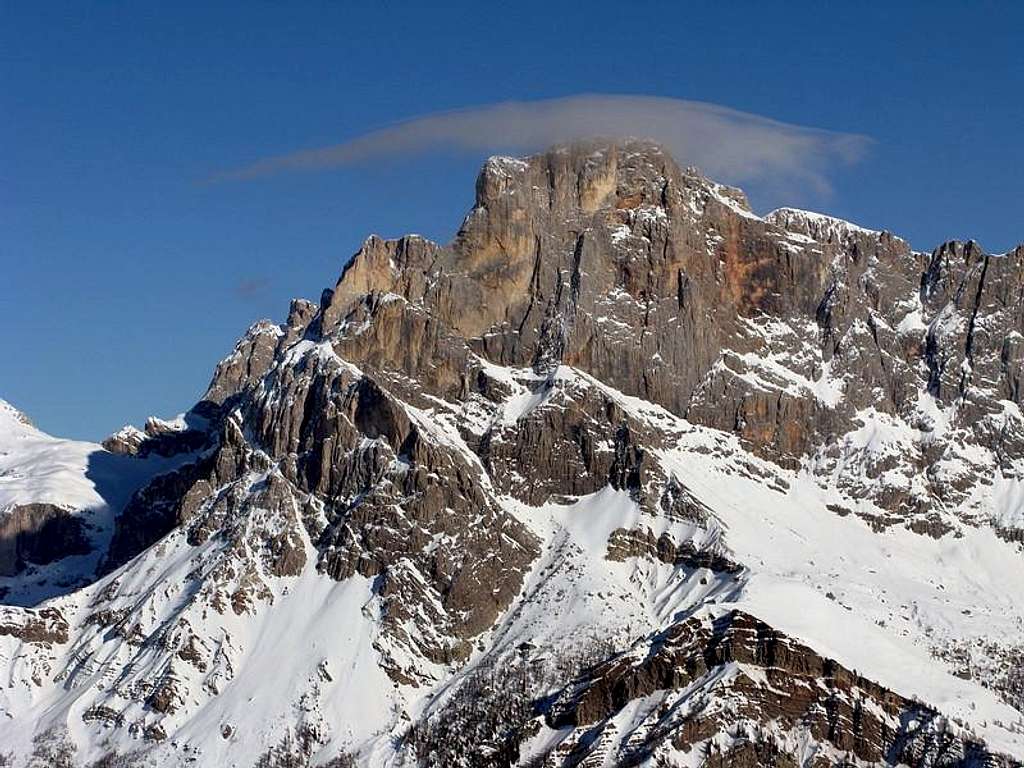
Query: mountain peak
(12,416)
(585,174)
(690,482)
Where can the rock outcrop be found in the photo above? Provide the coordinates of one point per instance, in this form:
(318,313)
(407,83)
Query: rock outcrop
(710,676)
(39,534)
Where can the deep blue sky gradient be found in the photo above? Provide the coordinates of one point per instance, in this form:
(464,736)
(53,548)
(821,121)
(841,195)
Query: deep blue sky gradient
(123,281)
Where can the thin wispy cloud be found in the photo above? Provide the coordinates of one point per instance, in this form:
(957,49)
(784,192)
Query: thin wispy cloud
(725,143)
(252,287)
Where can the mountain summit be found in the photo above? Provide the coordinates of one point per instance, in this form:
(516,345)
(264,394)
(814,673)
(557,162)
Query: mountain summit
(624,475)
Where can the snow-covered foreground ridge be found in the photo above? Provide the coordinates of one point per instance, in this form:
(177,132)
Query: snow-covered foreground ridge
(626,475)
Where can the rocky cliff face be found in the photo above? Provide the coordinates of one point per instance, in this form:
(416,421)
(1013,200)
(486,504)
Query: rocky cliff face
(713,675)
(619,412)
(789,330)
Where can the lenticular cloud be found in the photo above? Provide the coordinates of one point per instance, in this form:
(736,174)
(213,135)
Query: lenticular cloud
(725,143)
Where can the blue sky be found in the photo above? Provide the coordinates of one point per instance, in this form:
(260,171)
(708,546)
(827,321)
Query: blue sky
(125,280)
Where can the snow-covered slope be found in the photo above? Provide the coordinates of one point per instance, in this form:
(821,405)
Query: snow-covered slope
(889,604)
(882,603)
(66,492)
(35,467)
